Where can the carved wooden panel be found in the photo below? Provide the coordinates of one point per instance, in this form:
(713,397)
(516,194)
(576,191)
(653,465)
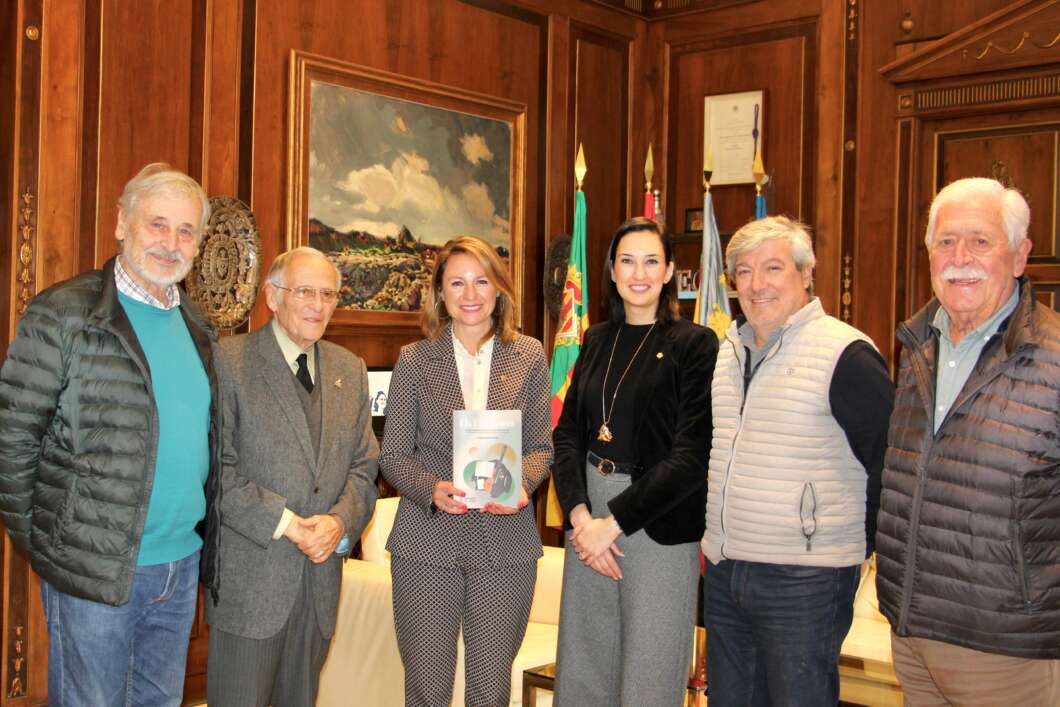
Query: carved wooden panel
(782,63)
(1019,149)
(139,115)
(983,101)
(1022,157)
(1021,34)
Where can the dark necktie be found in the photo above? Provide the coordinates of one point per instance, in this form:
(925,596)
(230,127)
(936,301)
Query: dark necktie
(303,373)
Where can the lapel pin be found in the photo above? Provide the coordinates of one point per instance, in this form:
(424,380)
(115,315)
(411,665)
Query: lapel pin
(504,378)
(338,382)
(659,355)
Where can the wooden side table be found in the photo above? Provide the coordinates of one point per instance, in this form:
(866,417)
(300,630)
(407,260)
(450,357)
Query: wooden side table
(533,678)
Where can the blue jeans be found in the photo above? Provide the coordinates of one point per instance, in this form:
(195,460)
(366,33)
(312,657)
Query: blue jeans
(774,632)
(134,654)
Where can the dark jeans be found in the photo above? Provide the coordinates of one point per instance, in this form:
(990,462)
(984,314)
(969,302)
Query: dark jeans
(774,632)
(133,654)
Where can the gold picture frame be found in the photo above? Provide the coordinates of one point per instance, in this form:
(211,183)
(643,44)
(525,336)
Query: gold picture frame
(388,127)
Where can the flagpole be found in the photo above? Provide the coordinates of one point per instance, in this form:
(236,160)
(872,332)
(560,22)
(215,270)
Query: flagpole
(573,322)
(758,170)
(712,301)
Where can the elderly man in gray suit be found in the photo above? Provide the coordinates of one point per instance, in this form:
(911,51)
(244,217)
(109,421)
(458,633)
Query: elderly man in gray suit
(299,462)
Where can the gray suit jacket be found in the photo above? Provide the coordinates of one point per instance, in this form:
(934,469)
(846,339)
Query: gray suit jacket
(268,463)
(418,452)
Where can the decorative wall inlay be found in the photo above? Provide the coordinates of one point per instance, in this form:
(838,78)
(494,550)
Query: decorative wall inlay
(848,280)
(908,23)
(999,171)
(16,686)
(996,91)
(227,272)
(1023,42)
(848,198)
(25,280)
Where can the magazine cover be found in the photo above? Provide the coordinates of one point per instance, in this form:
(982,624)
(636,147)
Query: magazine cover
(488,456)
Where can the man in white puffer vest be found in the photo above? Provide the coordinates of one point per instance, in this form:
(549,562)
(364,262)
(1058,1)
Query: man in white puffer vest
(800,404)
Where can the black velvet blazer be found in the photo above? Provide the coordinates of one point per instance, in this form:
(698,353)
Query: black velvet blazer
(667,498)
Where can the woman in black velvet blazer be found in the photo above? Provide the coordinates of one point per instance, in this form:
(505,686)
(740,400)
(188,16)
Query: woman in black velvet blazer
(632,562)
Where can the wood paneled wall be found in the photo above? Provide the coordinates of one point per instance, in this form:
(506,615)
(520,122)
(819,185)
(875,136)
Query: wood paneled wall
(106,86)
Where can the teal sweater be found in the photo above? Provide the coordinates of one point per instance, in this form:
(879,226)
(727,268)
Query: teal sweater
(182,396)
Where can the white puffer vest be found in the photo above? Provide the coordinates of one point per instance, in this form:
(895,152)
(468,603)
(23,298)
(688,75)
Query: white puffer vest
(783,485)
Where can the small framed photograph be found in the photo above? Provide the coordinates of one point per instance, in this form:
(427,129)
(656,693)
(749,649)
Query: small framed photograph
(378,387)
(693,220)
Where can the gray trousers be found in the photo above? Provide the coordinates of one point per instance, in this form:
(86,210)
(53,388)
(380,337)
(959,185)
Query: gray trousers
(282,670)
(628,642)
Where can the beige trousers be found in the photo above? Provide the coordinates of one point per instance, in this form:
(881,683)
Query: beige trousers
(936,673)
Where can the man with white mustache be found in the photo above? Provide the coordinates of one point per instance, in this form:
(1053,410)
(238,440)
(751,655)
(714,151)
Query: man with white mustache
(108,454)
(968,537)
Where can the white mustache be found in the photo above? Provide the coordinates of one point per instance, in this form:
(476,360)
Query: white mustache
(174,255)
(968,272)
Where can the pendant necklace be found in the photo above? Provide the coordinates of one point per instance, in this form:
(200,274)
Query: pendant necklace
(605,435)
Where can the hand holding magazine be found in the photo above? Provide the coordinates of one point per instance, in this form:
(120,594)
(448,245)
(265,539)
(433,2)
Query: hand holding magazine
(488,456)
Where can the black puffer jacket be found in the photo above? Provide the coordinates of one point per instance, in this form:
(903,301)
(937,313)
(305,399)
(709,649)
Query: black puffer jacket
(968,540)
(78,436)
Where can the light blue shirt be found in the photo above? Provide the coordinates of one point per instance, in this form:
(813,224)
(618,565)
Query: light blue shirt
(955,362)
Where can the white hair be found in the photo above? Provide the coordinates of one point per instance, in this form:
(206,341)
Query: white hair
(160,178)
(1014,212)
(278,270)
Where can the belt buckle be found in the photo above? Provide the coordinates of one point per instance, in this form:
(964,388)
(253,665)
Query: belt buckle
(600,467)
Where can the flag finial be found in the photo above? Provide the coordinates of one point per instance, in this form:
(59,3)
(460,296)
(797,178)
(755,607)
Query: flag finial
(708,163)
(649,170)
(579,166)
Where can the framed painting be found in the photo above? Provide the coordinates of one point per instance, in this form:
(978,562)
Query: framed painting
(384,169)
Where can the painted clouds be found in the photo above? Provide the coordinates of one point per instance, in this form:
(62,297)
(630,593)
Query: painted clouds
(378,163)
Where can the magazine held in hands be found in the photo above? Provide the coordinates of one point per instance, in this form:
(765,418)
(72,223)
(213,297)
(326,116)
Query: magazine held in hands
(488,456)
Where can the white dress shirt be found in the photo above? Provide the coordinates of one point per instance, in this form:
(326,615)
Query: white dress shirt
(474,372)
(291,351)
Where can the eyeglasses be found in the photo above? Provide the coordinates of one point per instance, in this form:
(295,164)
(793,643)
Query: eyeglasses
(308,294)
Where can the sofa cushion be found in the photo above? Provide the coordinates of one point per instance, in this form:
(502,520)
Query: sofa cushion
(374,537)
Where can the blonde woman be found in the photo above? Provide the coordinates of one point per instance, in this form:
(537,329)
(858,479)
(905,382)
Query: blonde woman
(453,567)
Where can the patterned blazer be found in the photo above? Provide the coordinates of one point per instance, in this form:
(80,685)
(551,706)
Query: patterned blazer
(418,452)
(268,463)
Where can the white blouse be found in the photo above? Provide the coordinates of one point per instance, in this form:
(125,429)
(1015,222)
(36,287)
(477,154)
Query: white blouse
(474,372)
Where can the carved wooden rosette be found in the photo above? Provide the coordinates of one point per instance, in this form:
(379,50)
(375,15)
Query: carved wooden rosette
(227,272)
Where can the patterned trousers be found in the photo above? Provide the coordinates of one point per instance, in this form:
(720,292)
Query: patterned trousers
(430,606)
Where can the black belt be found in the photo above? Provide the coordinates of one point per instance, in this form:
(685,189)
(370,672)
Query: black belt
(606,467)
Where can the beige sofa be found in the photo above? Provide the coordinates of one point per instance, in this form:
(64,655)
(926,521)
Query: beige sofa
(364,666)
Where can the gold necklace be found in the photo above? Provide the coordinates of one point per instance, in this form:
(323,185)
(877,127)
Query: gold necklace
(605,435)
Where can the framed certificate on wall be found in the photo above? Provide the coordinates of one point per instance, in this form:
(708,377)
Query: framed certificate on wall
(730,121)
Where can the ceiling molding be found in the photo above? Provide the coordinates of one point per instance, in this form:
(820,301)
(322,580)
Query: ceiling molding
(661,9)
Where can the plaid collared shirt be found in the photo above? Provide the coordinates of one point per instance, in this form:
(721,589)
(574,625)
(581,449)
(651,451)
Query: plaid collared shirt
(130,288)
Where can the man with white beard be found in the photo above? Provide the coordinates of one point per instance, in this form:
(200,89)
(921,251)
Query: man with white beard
(108,461)
(969,522)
